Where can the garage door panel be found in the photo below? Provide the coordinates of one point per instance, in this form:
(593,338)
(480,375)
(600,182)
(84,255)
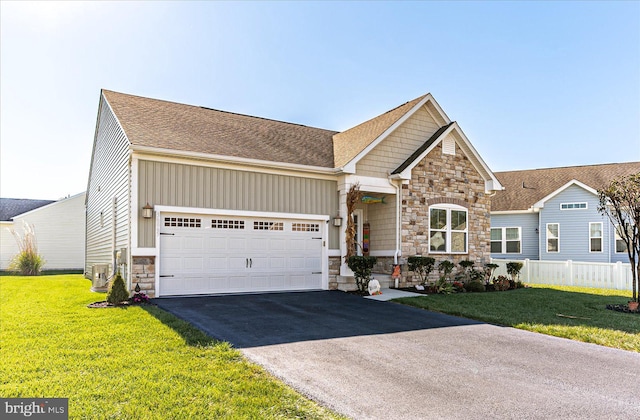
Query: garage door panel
(218,263)
(216,243)
(223,257)
(237,244)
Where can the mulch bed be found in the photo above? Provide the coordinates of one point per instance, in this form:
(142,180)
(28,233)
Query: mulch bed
(622,308)
(105,304)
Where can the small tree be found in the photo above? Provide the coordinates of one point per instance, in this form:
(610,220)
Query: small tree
(118,291)
(362,267)
(620,201)
(513,269)
(422,266)
(27,262)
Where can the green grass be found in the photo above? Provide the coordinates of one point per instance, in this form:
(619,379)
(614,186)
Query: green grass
(127,363)
(547,310)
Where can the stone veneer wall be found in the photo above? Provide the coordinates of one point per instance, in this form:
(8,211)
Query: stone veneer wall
(440,179)
(144,274)
(334,272)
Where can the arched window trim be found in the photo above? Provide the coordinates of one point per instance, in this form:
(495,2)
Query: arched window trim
(446,232)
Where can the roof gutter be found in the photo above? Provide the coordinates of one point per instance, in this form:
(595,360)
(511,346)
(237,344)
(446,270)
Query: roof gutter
(235,160)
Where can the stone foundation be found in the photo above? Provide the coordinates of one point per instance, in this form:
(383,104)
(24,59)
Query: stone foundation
(334,272)
(144,274)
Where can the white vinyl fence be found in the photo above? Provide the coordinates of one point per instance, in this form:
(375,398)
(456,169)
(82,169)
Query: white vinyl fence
(571,273)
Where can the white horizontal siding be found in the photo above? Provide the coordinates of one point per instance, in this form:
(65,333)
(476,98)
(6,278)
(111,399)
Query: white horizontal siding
(109,182)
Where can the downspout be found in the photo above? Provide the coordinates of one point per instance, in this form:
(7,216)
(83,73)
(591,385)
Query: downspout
(398,201)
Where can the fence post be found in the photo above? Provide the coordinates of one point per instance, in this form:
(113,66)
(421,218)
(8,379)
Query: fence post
(527,270)
(570,271)
(617,276)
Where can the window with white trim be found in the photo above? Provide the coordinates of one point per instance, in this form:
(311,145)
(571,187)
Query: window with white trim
(506,240)
(553,237)
(621,246)
(573,206)
(595,237)
(448,229)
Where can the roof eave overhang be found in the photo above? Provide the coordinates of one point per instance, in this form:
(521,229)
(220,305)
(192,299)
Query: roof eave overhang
(540,204)
(349,167)
(491,183)
(234,160)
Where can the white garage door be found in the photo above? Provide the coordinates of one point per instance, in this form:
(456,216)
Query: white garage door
(202,254)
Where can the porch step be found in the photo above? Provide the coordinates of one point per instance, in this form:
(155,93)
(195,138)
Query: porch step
(348,283)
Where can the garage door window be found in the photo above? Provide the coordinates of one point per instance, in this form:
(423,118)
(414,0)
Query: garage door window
(305,227)
(268,226)
(227,224)
(182,222)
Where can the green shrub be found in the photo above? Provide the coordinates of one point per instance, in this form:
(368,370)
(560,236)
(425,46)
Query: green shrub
(513,268)
(422,266)
(118,291)
(362,267)
(474,286)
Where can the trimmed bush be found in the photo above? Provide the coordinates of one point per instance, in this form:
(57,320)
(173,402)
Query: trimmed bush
(362,267)
(422,266)
(118,291)
(474,286)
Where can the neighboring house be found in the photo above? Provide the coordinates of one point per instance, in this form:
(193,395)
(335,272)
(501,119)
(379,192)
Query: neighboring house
(552,215)
(59,227)
(186,200)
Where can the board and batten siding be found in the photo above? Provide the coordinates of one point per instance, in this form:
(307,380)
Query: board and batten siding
(398,146)
(528,224)
(108,194)
(574,227)
(180,185)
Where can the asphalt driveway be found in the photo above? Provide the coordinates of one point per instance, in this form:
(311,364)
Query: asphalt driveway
(381,360)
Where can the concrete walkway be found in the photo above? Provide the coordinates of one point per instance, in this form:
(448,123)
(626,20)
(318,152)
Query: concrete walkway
(382,360)
(388,294)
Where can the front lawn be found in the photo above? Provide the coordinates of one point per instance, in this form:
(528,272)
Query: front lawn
(127,363)
(577,313)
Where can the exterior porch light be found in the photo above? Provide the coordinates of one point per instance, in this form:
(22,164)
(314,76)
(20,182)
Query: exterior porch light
(147,211)
(337,221)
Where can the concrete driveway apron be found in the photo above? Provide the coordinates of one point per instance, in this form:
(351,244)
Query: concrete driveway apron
(381,360)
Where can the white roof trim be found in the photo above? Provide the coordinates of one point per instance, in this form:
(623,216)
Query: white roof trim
(406,174)
(233,160)
(540,204)
(491,182)
(350,167)
(506,212)
(49,205)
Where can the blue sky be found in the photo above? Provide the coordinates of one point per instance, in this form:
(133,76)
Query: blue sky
(532,84)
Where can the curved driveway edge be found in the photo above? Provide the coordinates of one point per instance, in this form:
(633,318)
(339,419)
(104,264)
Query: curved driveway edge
(380,360)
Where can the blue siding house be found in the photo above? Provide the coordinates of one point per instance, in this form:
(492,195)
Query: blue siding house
(552,215)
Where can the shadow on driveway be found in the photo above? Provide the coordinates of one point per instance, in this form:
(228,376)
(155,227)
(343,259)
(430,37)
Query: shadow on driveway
(275,318)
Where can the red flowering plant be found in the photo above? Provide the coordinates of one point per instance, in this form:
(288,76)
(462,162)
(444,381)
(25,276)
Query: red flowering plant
(140,297)
(458,286)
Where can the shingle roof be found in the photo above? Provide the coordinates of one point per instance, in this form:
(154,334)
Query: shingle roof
(169,125)
(347,144)
(525,188)
(12,207)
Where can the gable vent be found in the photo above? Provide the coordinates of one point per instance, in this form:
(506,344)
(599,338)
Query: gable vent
(448,146)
